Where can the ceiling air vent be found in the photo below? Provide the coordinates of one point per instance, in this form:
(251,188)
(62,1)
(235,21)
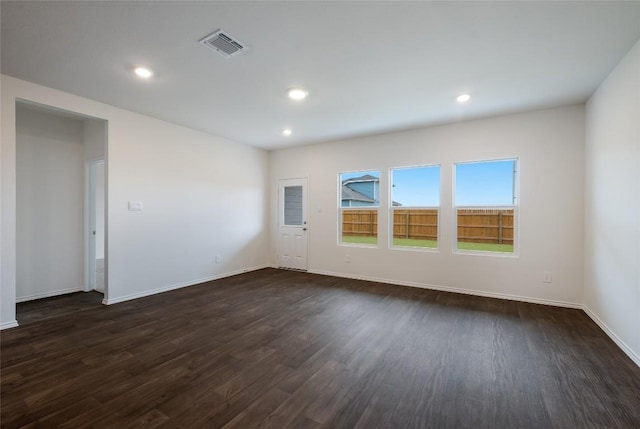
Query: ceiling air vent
(223,44)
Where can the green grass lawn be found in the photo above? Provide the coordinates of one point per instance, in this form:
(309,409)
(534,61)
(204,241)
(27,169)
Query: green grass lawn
(359,240)
(412,242)
(431,244)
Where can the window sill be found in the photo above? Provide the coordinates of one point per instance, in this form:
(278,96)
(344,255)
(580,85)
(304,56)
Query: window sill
(416,249)
(486,253)
(366,246)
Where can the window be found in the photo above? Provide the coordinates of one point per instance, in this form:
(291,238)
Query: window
(485,205)
(359,203)
(415,203)
(293,205)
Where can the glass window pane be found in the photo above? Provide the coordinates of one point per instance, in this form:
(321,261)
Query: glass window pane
(490,183)
(488,230)
(359,202)
(416,186)
(293,205)
(359,226)
(415,228)
(360,189)
(415,196)
(485,199)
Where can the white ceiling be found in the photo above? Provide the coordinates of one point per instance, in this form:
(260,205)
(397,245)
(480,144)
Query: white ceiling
(370,67)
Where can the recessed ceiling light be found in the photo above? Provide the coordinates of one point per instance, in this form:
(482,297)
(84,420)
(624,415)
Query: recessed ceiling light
(297,93)
(143,72)
(287,132)
(463,98)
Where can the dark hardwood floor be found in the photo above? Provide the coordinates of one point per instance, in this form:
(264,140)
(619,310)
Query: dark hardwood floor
(282,349)
(57,306)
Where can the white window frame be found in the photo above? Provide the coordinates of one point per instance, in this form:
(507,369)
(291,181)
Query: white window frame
(515,207)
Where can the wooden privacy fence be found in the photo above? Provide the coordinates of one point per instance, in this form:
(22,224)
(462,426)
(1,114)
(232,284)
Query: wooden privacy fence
(474,225)
(361,223)
(486,226)
(420,224)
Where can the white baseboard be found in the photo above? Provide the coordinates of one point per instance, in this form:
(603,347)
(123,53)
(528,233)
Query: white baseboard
(625,348)
(48,294)
(454,289)
(142,294)
(7,325)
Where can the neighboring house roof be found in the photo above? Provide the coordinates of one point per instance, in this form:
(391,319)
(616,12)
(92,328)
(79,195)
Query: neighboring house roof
(353,195)
(365,178)
(350,194)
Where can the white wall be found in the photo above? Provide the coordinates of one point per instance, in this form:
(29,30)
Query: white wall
(50,200)
(612,205)
(550,145)
(202,196)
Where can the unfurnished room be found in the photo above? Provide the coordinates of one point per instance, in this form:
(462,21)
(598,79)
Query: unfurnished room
(320,214)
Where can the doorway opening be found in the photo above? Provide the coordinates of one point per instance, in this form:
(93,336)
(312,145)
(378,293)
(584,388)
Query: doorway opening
(96,225)
(60,208)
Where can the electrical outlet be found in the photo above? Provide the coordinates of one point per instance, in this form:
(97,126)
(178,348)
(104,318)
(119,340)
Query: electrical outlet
(347,259)
(547,277)
(218,259)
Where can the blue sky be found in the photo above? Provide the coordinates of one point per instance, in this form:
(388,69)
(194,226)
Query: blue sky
(484,183)
(417,186)
(477,184)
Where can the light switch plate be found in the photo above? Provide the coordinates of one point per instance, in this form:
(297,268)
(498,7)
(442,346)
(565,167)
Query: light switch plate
(135,206)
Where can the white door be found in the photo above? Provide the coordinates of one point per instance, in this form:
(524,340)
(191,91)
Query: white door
(292,224)
(94,268)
